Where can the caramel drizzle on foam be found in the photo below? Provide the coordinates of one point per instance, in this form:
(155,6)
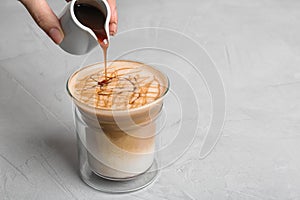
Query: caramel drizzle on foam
(122,88)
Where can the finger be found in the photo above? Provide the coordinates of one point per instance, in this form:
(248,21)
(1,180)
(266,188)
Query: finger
(45,18)
(113,28)
(113,23)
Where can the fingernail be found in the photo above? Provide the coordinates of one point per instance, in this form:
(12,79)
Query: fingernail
(56,35)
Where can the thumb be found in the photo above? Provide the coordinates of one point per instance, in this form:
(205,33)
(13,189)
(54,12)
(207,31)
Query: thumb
(45,18)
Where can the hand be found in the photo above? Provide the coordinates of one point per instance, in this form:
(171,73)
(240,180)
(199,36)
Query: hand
(48,21)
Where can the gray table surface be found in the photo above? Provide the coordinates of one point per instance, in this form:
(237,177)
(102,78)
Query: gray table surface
(256,48)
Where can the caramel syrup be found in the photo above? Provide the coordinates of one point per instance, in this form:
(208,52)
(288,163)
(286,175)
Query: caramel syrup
(123,88)
(94,19)
(116,86)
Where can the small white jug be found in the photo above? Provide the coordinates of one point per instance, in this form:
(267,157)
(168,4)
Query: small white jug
(78,38)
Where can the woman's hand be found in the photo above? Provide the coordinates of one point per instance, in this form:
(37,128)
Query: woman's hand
(48,21)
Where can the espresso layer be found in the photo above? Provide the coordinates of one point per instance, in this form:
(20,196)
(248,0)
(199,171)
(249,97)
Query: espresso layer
(134,144)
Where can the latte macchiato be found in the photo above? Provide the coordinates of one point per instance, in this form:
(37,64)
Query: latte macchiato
(120,112)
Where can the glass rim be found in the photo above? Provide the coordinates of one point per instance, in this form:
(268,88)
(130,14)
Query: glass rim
(119,110)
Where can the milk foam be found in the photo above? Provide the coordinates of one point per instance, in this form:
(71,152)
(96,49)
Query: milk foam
(127,85)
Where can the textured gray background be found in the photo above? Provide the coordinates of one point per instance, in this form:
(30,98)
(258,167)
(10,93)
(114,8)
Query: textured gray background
(256,47)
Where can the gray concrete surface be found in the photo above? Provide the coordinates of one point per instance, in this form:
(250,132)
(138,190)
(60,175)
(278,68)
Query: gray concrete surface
(256,48)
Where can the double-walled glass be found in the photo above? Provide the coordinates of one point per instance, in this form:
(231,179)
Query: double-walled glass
(117,144)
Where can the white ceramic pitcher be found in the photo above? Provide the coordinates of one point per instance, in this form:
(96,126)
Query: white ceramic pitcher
(80,39)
